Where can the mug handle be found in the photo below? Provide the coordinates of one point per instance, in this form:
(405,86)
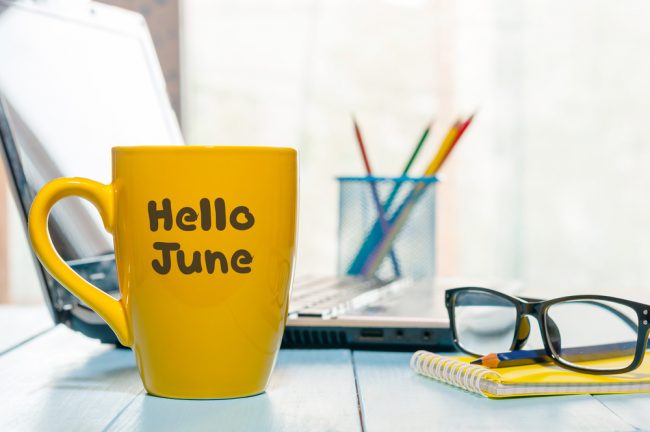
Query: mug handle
(101,196)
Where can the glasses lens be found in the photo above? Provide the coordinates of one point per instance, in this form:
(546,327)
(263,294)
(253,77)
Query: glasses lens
(593,334)
(485,323)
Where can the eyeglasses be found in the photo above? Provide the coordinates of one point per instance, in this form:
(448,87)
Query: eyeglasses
(584,333)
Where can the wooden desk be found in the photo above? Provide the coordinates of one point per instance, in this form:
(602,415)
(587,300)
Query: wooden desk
(54,379)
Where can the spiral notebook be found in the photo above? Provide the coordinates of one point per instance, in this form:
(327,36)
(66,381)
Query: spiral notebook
(530,380)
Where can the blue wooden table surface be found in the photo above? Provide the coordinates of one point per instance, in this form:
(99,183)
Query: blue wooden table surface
(54,379)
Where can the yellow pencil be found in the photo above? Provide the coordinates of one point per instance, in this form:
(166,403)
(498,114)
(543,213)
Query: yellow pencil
(447,144)
(443,151)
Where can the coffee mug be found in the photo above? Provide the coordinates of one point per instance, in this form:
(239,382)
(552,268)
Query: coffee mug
(204,244)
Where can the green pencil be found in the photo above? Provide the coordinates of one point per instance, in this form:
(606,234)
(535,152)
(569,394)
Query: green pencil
(417,149)
(406,169)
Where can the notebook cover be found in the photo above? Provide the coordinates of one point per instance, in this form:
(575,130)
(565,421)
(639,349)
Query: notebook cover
(554,380)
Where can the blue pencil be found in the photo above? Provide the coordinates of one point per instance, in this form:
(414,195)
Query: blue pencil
(573,354)
(375,195)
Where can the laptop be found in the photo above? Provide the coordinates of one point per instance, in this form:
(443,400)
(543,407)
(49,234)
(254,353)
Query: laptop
(82,77)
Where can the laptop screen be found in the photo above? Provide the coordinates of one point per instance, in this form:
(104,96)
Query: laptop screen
(76,80)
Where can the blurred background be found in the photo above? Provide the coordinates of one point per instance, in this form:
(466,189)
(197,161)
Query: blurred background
(549,186)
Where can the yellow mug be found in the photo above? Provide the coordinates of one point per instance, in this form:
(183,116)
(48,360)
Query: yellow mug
(204,243)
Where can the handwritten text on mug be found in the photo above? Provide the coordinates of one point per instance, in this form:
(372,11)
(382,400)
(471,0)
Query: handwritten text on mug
(188,219)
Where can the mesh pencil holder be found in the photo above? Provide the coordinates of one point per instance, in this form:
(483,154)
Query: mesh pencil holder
(387,226)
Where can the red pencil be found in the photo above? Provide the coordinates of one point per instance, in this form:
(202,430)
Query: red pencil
(464,125)
(362,147)
(375,193)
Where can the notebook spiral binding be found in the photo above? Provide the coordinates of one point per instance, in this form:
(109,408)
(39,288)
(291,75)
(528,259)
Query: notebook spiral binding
(450,371)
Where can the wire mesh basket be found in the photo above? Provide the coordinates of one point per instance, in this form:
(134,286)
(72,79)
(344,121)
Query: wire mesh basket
(387,226)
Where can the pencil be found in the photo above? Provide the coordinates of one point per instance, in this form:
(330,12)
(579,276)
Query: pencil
(423,138)
(445,148)
(513,358)
(375,193)
(461,130)
(376,232)
(573,354)
(407,167)
(377,244)
(402,213)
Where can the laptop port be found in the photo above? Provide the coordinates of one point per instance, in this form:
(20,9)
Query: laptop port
(372,333)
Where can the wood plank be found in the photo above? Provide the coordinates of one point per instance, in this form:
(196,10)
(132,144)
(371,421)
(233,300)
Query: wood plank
(19,323)
(63,380)
(66,381)
(309,390)
(632,408)
(395,398)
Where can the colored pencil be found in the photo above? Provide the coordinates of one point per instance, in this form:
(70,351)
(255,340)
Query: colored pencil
(513,358)
(573,354)
(374,192)
(376,231)
(461,131)
(407,167)
(417,149)
(401,215)
(369,257)
(378,253)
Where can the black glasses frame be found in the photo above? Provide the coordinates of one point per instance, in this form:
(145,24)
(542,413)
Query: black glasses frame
(538,309)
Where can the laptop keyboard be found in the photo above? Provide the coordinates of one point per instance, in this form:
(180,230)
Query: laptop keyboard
(327,297)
